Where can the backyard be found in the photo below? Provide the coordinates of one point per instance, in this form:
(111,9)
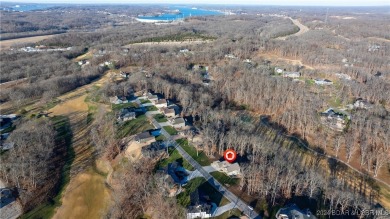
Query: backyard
(137,125)
(160,118)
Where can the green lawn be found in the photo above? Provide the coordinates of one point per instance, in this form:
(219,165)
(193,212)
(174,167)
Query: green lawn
(145,101)
(225,179)
(228,214)
(123,105)
(151,108)
(137,125)
(174,155)
(160,118)
(201,158)
(170,130)
(160,138)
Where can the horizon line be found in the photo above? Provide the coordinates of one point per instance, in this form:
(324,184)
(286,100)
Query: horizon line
(185,4)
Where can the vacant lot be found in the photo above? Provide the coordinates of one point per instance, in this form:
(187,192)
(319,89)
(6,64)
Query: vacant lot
(6,44)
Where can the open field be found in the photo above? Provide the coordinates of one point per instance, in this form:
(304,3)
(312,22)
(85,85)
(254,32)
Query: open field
(6,44)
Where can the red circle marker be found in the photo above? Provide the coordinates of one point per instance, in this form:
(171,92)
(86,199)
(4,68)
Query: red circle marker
(230,155)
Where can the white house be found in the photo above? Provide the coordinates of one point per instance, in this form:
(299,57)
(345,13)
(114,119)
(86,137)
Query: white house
(178,123)
(169,112)
(323,82)
(126,116)
(230,56)
(279,70)
(161,103)
(118,100)
(231,169)
(362,104)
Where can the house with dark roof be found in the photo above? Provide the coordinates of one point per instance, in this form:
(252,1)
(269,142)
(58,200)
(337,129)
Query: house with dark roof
(145,137)
(199,208)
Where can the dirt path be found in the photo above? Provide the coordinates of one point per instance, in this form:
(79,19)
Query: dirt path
(86,195)
(302,29)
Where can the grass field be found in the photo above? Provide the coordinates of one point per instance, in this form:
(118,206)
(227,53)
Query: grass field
(123,105)
(6,44)
(201,158)
(225,179)
(160,118)
(137,125)
(170,130)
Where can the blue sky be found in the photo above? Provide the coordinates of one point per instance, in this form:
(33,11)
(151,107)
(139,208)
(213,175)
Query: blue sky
(224,2)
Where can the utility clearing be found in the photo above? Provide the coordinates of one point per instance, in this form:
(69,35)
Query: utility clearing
(86,195)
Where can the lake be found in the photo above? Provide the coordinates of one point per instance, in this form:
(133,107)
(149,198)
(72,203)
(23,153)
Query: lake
(28,7)
(183,13)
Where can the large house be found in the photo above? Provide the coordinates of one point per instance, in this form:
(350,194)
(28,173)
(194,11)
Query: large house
(145,137)
(334,120)
(231,169)
(169,112)
(178,123)
(161,103)
(291,74)
(293,212)
(126,115)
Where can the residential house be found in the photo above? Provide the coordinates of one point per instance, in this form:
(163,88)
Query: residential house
(287,74)
(152,97)
(170,113)
(279,70)
(126,115)
(124,74)
(155,149)
(230,56)
(161,103)
(231,169)
(323,82)
(343,76)
(166,183)
(118,100)
(293,212)
(362,104)
(247,61)
(334,120)
(178,123)
(199,208)
(184,50)
(145,137)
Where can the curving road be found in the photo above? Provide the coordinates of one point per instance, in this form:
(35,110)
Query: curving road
(302,29)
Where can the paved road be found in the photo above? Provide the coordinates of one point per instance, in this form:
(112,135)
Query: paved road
(238,203)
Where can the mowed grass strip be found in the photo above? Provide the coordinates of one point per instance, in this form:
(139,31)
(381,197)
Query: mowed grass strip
(199,156)
(135,126)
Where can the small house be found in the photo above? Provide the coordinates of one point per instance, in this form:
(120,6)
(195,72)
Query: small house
(118,100)
(279,70)
(230,56)
(145,137)
(161,103)
(170,113)
(323,82)
(291,74)
(152,97)
(199,207)
(178,123)
(124,74)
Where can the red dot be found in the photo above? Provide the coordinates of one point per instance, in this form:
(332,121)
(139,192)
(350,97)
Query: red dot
(230,155)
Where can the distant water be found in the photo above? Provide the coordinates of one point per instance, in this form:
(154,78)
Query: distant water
(28,7)
(184,12)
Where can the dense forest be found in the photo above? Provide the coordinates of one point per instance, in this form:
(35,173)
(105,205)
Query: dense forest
(274,122)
